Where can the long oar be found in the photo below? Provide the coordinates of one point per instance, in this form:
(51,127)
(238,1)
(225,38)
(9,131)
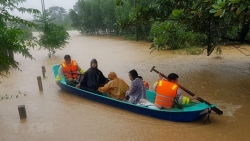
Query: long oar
(216,110)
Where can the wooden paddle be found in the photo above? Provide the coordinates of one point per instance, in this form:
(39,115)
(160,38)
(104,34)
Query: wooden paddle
(216,110)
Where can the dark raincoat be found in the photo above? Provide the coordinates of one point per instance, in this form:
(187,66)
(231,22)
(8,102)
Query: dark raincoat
(93,78)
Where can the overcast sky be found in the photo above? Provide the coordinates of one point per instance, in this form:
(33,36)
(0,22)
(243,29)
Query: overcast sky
(67,4)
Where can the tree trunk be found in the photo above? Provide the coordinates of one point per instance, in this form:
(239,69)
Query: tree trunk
(11,54)
(244,30)
(210,42)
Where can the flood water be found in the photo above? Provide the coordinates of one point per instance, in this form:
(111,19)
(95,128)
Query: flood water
(57,115)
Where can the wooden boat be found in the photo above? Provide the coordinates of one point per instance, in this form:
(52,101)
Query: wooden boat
(191,112)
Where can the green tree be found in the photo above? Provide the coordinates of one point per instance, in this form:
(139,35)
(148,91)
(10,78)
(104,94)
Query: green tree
(207,22)
(10,36)
(107,8)
(96,15)
(53,36)
(122,14)
(81,16)
(93,16)
(168,23)
(90,16)
(76,20)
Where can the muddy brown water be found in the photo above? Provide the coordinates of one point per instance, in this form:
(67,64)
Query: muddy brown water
(57,115)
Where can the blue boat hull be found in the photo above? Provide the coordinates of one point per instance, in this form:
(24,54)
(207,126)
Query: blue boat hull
(179,115)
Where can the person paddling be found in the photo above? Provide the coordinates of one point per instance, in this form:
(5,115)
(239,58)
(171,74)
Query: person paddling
(167,92)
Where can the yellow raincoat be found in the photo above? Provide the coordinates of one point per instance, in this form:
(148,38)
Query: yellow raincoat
(116,88)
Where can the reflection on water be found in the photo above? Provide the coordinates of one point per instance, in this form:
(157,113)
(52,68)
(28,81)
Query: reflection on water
(57,115)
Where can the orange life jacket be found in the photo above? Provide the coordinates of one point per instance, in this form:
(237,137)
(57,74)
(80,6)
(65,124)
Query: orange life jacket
(146,84)
(70,71)
(165,94)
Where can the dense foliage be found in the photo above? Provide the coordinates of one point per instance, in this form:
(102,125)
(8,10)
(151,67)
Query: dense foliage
(90,16)
(170,24)
(12,38)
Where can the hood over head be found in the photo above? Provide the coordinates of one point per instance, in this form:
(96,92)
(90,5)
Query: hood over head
(94,61)
(112,75)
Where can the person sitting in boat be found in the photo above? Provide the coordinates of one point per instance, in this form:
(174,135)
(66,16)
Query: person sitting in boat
(93,78)
(167,92)
(116,88)
(145,82)
(70,70)
(137,90)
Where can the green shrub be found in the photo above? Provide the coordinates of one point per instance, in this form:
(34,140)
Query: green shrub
(170,35)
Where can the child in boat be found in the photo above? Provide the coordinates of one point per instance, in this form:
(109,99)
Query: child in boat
(116,88)
(137,90)
(145,82)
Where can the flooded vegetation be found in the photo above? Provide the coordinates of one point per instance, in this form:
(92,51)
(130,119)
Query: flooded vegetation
(57,115)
